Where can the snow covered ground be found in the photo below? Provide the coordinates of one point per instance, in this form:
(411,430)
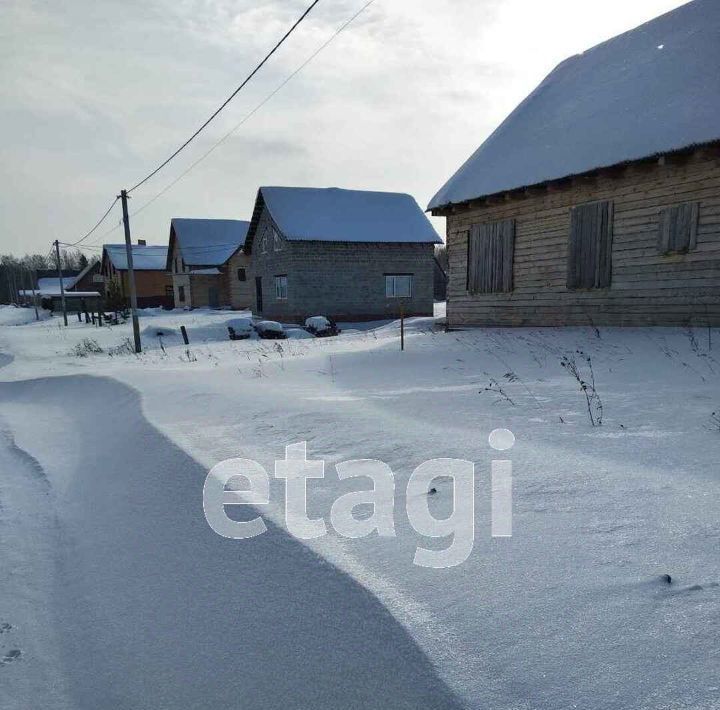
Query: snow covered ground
(117,594)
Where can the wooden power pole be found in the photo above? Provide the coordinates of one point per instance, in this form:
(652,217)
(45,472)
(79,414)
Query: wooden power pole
(60,278)
(131,272)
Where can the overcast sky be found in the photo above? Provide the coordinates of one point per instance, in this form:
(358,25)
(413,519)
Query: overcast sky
(96,93)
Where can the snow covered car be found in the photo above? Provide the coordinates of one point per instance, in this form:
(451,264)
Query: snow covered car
(321,326)
(239,328)
(270,329)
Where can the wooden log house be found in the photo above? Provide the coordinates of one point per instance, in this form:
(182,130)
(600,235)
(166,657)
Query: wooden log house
(597,201)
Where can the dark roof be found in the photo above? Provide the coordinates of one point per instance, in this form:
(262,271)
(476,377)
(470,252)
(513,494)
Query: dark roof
(208,242)
(335,215)
(653,90)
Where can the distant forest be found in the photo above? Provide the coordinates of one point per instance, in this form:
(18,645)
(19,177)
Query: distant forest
(17,273)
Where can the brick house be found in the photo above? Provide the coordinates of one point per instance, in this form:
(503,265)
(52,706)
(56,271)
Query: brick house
(345,254)
(208,264)
(90,278)
(598,199)
(153,283)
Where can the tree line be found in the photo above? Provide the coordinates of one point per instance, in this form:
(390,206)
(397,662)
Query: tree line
(18,273)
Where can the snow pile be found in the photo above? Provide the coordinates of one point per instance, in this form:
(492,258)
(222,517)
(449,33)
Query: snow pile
(240,325)
(298,334)
(269,326)
(12,315)
(317,322)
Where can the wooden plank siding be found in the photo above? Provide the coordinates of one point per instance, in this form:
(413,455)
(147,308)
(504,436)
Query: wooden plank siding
(490,257)
(644,285)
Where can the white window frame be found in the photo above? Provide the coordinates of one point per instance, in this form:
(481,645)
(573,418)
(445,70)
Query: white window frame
(281,287)
(392,283)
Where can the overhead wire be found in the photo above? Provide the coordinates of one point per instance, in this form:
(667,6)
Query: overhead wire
(277,46)
(94,245)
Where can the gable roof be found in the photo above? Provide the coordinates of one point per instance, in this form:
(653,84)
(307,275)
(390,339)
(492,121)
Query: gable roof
(207,242)
(331,214)
(50,285)
(145,258)
(653,90)
(94,264)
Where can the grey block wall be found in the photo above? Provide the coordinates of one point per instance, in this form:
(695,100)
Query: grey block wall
(341,280)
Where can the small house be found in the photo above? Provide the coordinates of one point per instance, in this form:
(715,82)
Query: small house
(153,284)
(597,201)
(49,295)
(344,254)
(90,278)
(208,264)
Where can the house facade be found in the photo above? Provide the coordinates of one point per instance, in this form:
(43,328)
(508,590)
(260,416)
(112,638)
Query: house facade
(90,278)
(344,254)
(597,201)
(153,284)
(208,264)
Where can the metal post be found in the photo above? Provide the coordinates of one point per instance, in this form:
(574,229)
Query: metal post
(402,328)
(60,278)
(131,272)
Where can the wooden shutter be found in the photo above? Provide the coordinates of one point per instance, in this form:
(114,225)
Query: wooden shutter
(589,262)
(490,257)
(677,231)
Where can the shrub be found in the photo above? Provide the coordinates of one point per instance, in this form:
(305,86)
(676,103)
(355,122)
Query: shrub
(87,346)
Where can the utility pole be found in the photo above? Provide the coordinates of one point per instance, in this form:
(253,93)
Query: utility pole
(32,288)
(131,272)
(60,278)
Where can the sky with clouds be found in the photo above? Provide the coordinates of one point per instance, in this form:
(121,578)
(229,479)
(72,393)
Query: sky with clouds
(96,93)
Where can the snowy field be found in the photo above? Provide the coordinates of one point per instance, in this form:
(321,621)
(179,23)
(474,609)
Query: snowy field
(116,593)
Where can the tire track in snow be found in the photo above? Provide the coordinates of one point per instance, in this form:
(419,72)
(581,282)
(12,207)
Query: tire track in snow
(160,612)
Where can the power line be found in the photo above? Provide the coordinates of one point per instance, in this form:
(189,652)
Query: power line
(99,222)
(249,115)
(229,99)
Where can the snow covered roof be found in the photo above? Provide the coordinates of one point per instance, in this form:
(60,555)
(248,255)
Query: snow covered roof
(50,286)
(208,242)
(652,90)
(145,258)
(335,215)
(68,294)
(90,266)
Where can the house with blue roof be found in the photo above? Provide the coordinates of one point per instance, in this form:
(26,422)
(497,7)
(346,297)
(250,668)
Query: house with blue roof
(344,254)
(208,264)
(153,284)
(597,200)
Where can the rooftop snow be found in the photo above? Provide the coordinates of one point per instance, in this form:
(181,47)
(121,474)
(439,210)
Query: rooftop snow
(209,242)
(335,215)
(50,285)
(145,258)
(652,90)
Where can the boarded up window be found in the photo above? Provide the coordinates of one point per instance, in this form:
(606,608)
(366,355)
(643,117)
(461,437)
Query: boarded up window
(590,247)
(677,232)
(490,257)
